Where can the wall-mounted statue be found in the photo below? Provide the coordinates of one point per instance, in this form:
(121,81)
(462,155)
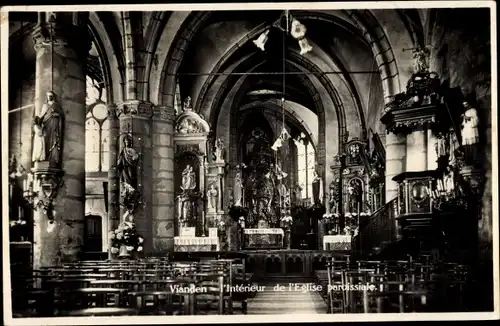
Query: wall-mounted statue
(48,126)
(334,196)
(238,189)
(219,150)
(317,188)
(420,56)
(355,191)
(442,145)
(188,179)
(212,195)
(187,104)
(128,162)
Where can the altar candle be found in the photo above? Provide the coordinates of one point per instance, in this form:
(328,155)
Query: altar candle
(19,216)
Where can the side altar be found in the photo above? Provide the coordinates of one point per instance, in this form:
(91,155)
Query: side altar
(198,184)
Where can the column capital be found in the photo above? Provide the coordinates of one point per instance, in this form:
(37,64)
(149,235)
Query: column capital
(164,113)
(112,111)
(137,108)
(61,34)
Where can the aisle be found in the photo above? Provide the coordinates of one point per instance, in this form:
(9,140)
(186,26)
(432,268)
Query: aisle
(270,302)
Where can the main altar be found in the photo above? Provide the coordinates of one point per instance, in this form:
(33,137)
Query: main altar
(251,197)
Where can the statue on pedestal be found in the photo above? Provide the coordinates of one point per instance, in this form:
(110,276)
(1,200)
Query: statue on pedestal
(127,165)
(317,188)
(355,191)
(188,179)
(219,150)
(238,189)
(128,161)
(334,197)
(212,195)
(442,146)
(184,200)
(47,127)
(420,64)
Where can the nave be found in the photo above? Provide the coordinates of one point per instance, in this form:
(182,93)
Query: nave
(211,285)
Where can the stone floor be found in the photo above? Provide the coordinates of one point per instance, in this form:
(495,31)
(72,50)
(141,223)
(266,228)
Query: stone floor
(290,301)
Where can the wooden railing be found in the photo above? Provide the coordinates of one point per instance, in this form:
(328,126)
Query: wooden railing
(378,231)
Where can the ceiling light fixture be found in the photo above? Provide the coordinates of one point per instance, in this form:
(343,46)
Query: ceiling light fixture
(296,29)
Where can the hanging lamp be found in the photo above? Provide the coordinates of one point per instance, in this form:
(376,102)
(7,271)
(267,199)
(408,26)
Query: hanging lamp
(297,31)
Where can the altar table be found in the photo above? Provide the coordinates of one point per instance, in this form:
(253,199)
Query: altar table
(337,242)
(263,238)
(196,243)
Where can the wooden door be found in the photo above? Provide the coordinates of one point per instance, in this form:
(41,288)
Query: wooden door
(93,233)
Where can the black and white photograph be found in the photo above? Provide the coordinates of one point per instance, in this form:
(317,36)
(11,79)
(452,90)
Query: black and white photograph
(275,162)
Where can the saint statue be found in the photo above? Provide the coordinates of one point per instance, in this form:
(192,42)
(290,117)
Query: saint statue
(212,195)
(354,191)
(48,132)
(334,196)
(188,179)
(187,104)
(317,188)
(420,60)
(442,145)
(219,150)
(238,189)
(128,161)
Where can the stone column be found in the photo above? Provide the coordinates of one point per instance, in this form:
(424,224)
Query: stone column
(135,119)
(162,185)
(416,151)
(113,175)
(395,148)
(62,44)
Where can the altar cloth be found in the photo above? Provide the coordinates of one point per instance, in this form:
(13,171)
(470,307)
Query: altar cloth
(337,242)
(196,243)
(269,238)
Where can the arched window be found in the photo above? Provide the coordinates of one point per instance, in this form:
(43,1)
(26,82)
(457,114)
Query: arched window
(96,128)
(306,164)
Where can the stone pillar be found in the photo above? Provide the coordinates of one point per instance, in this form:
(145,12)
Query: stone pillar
(395,148)
(135,120)
(62,44)
(162,185)
(113,175)
(416,151)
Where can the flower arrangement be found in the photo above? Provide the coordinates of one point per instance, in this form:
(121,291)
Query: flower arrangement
(331,217)
(17,223)
(286,220)
(125,235)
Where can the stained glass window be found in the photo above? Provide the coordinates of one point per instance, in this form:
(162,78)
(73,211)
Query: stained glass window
(301,167)
(96,128)
(311,166)
(105,145)
(92,135)
(306,161)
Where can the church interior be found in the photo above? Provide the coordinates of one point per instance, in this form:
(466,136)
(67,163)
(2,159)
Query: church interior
(345,155)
